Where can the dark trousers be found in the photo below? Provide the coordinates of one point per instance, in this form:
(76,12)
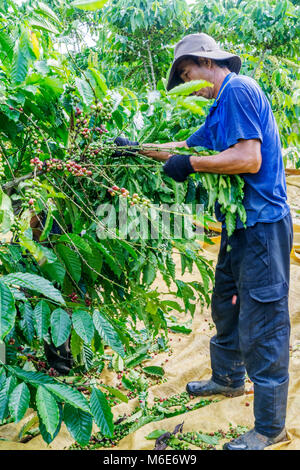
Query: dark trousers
(253,335)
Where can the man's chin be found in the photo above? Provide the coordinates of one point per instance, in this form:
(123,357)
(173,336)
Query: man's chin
(205,93)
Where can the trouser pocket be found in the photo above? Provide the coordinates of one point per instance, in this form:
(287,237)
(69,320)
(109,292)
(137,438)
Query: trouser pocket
(268,308)
(264,330)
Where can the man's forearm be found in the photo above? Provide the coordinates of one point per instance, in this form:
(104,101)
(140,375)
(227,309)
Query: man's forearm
(161,152)
(230,162)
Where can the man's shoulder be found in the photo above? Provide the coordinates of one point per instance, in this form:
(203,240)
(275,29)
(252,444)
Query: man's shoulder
(243,87)
(244,83)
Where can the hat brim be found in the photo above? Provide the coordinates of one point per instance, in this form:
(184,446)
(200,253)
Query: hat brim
(234,64)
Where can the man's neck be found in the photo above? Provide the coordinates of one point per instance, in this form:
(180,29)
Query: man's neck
(219,77)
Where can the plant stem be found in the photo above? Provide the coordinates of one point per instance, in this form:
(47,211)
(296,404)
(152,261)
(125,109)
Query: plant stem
(151,66)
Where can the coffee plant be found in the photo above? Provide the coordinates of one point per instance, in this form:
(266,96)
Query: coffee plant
(77,290)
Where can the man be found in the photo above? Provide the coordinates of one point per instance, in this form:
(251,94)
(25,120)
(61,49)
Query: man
(250,297)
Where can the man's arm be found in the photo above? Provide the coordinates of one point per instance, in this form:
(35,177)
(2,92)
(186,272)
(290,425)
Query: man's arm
(243,157)
(155,150)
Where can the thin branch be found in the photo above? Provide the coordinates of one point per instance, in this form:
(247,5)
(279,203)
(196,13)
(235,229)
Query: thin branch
(151,66)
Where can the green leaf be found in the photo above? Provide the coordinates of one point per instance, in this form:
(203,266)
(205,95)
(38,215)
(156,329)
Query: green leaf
(23,53)
(2,377)
(76,344)
(69,395)
(34,283)
(34,249)
(117,363)
(60,326)
(204,271)
(155,434)
(212,440)
(6,212)
(47,226)
(110,260)
(193,103)
(79,424)
(19,401)
(85,91)
(44,10)
(108,333)
(230,223)
(128,384)
(154,370)
(102,413)
(33,378)
(143,421)
(83,325)
(149,273)
(47,409)
(6,44)
(48,438)
(88,4)
(128,248)
(189,87)
(7,310)
(74,239)
(41,315)
(180,329)
(4,396)
(99,79)
(87,356)
(41,23)
(26,322)
(55,272)
(174,305)
(135,359)
(116,393)
(71,260)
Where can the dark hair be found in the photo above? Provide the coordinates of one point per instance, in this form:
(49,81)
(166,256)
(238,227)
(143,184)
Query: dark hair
(222,63)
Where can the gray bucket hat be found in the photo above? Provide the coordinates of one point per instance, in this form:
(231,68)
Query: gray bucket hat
(200,45)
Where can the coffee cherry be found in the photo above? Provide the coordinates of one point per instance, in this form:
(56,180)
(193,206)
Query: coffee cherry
(2,172)
(52,372)
(73,297)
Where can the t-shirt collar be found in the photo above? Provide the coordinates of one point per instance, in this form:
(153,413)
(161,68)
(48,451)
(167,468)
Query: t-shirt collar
(226,80)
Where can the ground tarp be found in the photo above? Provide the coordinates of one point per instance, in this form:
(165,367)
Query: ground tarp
(190,361)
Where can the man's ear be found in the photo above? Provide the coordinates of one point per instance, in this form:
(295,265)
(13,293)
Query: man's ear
(208,63)
(204,61)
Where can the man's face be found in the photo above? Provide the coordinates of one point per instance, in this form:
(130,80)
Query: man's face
(188,70)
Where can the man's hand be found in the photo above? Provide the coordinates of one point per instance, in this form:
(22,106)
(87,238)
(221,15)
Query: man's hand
(162,152)
(178,167)
(124,142)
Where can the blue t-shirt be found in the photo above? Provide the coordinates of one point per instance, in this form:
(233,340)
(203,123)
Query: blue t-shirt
(242,111)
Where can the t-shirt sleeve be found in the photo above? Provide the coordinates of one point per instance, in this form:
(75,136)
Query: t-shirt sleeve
(200,138)
(241,119)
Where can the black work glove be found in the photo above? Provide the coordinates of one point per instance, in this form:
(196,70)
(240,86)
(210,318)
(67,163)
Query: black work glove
(178,167)
(124,142)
